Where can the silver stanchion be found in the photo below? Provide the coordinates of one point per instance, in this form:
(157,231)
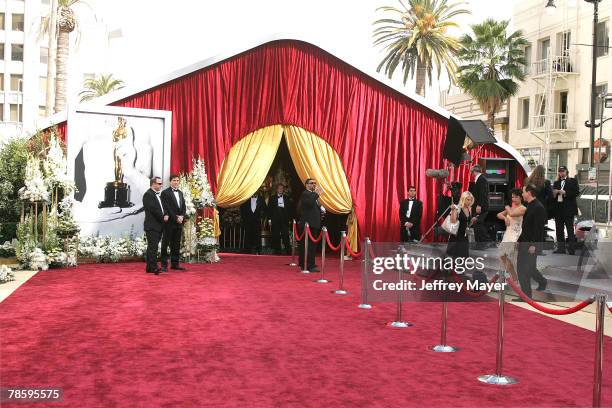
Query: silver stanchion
(364,279)
(293,241)
(498,378)
(443,347)
(599,348)
(340,290)
(306,239)
(323,240)
(399,323)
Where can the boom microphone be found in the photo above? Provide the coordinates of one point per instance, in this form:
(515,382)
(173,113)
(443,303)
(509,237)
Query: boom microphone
(437,173)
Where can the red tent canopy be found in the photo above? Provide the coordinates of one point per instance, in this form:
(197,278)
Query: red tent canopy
(385,139)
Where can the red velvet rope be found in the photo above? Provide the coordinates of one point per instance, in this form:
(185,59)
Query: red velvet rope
(296,235)
(313,239)
(331,246)
(350,251)
(541,308)
(469,292)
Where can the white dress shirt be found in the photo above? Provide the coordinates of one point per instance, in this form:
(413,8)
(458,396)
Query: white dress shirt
(157,194)
(253,204)
(177,196)
(410,202)
(281,201)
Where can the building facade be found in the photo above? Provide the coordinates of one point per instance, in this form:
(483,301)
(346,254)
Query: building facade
(548,113)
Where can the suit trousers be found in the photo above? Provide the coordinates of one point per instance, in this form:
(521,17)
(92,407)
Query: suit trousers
(527,268)
(561,224)
(312,248)
(172,238)
(480,229)
(280,232)
(153,238)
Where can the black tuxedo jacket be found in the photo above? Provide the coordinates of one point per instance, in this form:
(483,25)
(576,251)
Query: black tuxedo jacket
(532,231)
(310,210)
(250,217)
(171,206)
(154,216)
(415,214)
(569,207)
(480,191)
(280,215)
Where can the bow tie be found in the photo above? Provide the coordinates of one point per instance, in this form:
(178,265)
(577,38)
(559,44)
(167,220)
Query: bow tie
(280,195)
(175,190)
(157,193)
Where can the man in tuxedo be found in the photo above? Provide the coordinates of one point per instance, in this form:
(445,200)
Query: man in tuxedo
(565,192)
(279,213)
(310,212)
(530,241)
(480,208)
(174,203)
(410,212)
(252,211)
(155,219)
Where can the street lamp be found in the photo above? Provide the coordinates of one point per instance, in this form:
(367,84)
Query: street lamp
(550,9)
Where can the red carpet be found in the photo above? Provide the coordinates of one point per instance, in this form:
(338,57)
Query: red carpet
(251,331)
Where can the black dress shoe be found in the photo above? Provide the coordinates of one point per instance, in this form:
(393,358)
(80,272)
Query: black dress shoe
(571,252)
(156,271)
(178,268)
(149,271)
(542,286)
(315,269)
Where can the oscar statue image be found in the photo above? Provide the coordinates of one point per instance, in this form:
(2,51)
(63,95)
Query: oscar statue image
(117,193)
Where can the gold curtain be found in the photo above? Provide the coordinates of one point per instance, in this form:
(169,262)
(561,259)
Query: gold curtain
(315,158)
(245,167)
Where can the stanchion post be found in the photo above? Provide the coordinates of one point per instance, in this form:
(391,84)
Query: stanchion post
(324,242)
(293,241)
(498,378)
(340,290)
(306,238)
(364,279)
(599,348)
(399,323)
(443,347)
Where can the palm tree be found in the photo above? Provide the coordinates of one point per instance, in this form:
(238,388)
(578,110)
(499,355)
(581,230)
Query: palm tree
(492,63)
(60,22)
(95,87)
(417,38)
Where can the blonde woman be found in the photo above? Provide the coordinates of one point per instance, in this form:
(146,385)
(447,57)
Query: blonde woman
(513,218)
(458,245)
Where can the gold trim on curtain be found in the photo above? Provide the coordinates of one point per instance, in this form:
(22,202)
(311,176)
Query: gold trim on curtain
(314,158)
(245,167)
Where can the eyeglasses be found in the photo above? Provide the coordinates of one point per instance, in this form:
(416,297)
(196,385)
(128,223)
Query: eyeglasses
(311,182)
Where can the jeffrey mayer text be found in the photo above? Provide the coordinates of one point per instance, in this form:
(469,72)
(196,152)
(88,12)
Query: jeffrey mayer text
(439,285)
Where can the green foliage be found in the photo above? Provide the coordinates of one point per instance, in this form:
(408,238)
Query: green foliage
(492,63)
(415,37)
(99,86)
(13,159)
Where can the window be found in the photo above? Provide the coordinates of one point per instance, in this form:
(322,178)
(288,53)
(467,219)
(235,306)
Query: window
(42,111)
(18,22)
(523,113)
(1,51)
(44,55)
(563,43)
(1,81)
(599,89)
(527,69)
(42,86)
(2,21)
(17,52)
(16,82)
(15,114)
(544,49)
(1,112)
(603,39)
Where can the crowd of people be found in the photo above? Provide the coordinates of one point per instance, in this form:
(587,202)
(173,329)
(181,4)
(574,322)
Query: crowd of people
(525,218)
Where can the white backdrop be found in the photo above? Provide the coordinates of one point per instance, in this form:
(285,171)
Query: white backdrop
(145,153)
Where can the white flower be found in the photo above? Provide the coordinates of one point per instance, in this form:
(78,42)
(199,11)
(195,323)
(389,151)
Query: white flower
(6,274)
(38,259)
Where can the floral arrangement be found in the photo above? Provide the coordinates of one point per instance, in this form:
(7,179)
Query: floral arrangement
(37,260)
(8,249)
(55,167)
(109,249)
(35,189)
(190,239)
(206,234)
(186,189)
(66,227)
(200,188)
(6,274)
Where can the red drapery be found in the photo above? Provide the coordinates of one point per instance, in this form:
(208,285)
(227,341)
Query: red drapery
(384,139)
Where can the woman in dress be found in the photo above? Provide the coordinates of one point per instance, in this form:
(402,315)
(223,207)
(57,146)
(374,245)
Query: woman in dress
(513,218)
(458,245)
(544,192)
